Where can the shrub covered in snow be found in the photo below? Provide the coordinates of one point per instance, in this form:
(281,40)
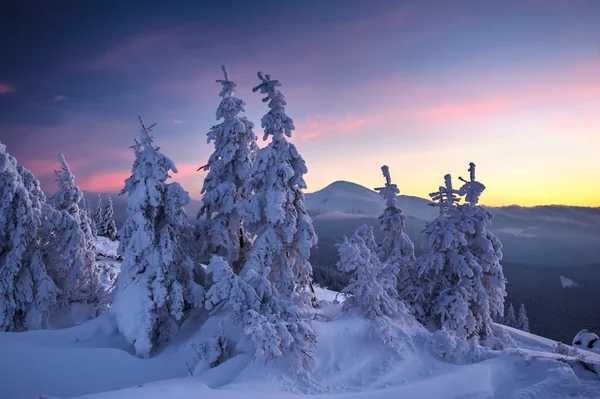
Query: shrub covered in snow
(565,350)
(155,285)
(272,325)
(366,289)
(27,293)
(221,231)
(449,346)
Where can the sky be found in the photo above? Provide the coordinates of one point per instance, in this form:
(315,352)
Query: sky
(424,87)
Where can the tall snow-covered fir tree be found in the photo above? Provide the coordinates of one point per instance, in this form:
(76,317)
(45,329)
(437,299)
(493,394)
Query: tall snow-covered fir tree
(485,247)
(27,293)
(396,252)
(367,291)
(276,277)
(275,211)
(523,321)
(511,319)
(155,285)
(220,228)
(109,227)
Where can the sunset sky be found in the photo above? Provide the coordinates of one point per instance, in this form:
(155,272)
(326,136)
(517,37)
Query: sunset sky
(422,86)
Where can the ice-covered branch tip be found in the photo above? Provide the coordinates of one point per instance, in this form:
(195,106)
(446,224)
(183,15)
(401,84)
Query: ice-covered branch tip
(63,162)
(228,85)
(146,138)
(390,190)
(268,86)
(446,196)
(386,173)
(472,189)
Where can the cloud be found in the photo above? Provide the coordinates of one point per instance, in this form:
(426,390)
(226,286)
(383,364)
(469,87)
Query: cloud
(136,50)
(322,126)
(6,88)
(59,98)
(177,122)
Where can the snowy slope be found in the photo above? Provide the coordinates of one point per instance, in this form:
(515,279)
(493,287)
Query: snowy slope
(92,361)
(342,197)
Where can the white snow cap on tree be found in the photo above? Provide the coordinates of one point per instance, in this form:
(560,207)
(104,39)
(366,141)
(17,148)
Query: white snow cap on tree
(221,229)
(27,294)
(446,196)
(155,285)
(396,251)
(523,320)
(366,290)
(275,211)
(472,189)
(510,319)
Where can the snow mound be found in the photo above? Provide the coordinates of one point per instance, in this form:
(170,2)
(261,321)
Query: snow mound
(567,282)
(106,247)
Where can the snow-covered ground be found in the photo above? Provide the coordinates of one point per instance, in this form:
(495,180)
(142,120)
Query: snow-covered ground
(93,361)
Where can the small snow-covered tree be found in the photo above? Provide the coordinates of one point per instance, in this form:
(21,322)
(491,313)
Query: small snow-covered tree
(396,252)
(27,293)
(97,217)
(221,229)
(69,248)
(109,228)
(523,321)
(510,319)
(366,291)
(155,285)
(275,210)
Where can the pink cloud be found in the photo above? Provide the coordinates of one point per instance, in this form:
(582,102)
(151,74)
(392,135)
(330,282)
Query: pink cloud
(321,126)
(59,98)
(177,122)
(105,181)
(6,88)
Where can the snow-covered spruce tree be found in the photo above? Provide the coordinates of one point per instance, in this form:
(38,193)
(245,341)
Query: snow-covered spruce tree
(275,211)
(484,246)
(366,289)
(523,321)
(220,228)
(510,319)
(446,278)
(109,228)
(69,248)
(97,217)
(155,285)
(396,252)
(27,293)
